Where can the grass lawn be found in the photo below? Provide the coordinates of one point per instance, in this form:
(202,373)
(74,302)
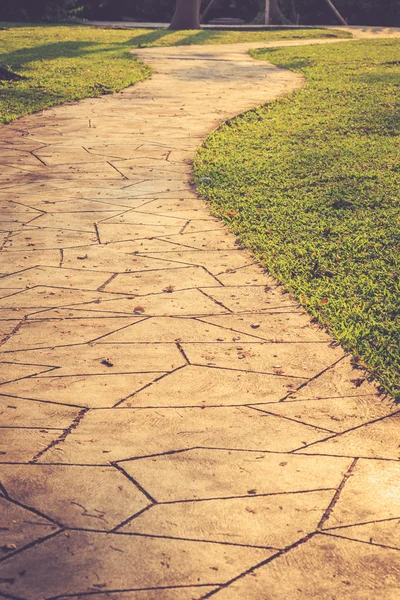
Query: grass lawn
(64,63)
(310,184)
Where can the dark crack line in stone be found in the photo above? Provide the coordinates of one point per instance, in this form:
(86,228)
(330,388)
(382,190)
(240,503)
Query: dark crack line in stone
(164,374)
(31,545)
(337,494)
(350,430)
(261,564)
(272,414)
(131,518)
(63,436)
(135,483)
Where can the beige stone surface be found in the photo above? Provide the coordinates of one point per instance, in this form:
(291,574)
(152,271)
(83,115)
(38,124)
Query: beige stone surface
(202,386)
(273,521)
(128,433)
(210,473)
(20,527)
(161,397)
(74,496)
(57,564)
(324,567)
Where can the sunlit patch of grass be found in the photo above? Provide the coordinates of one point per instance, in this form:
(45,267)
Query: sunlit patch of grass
(311,185)
(66,63)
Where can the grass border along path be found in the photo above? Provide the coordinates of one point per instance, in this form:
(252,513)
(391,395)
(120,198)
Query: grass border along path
(66,63)
(310,184)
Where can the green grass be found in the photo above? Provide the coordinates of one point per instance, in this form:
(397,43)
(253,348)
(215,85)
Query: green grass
(67,63)
(310,184)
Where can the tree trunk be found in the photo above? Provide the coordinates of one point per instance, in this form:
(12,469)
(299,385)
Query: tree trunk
(267,11)
(187,15)
(276,15)
(336,12)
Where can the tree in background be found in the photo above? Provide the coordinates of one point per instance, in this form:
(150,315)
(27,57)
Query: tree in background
(187,15)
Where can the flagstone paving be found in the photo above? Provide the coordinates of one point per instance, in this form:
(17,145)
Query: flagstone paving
(173,426)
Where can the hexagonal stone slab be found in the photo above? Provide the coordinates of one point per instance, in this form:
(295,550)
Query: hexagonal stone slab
(150,282)
(55,567)
(294,360)
(131,432)
(172,329)
(269,521)
(201,473)
(184,302)
(201,386)
(99,359)
(89,497)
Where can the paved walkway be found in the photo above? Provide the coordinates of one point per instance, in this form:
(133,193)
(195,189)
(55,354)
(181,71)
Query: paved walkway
(173,427)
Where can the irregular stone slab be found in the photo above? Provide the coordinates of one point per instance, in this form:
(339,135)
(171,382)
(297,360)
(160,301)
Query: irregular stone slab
(23,444)
(376,440)
(209,239)
(99,359)
(250,275)
(273,521)
(252,298)
(201,386)
(11,371)
(130,433)
(185,302)
(159,281)
(295,360)
(281,327)
(92,391)
(75,221)
(126,233)
(354,504)
(48,239)
(214,261)
(341,380)
(48,297)
(323,567)
(137,217)
(17,412)
(56,565)
(114,258)
(11,262)
(55,277)
(200,474)
(20,527)
(44,334)
(67,156)
(174,329)
(89,497)
(336,414)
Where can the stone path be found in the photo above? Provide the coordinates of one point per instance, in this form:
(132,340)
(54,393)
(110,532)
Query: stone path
(172,425)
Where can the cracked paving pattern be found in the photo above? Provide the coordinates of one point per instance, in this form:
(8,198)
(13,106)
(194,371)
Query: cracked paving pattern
(172,426)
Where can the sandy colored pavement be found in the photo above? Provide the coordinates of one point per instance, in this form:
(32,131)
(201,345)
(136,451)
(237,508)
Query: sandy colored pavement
(172,425)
